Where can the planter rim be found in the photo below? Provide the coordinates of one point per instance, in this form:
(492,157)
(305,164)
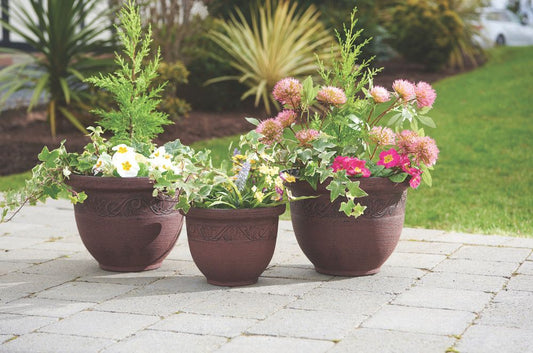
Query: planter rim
(365,183)
(82,182)
(242,213)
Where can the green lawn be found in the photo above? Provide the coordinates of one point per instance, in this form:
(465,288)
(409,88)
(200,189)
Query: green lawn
(482,182)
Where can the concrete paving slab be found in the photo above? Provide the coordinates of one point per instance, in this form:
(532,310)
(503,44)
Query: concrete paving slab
(420,320)
(464,281)
(85,292)
(44,307)
(426,247)
(476,267)
(422,261)
(366,340)
(521,282)
(293,272)
(54,343)
(492,339)
(7,267)
(11,324)
(270,344)
(444,298)
(491,253)
(279,286)
(405,272)
(32,256)
(16,285)
(509,309)
(378,283)
(526,268)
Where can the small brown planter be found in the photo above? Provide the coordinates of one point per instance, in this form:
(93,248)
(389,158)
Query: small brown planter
(124,228)
(347,246)
(233,247)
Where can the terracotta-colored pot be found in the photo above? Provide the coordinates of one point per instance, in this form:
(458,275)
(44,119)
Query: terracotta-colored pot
(232,247)
(122,225)
(348,246)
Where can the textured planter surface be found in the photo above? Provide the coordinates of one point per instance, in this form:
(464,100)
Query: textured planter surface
(233,247)
(347,246)
(123,227)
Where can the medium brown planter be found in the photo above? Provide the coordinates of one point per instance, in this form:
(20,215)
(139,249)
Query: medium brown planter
(347,246)
(124,228)
(232,247)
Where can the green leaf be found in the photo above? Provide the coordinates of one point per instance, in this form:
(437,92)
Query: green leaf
(426,120)
(354,190)
(394,119)
(252,121)
(398,178)
(336,189)
(426,177)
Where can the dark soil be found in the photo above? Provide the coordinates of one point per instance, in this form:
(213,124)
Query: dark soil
(23,134)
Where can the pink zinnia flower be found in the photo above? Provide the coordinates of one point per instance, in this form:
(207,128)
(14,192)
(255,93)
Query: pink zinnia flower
(331,95)
(382,136)
(306,136)
(352,166)
(389,159)
(288,91)
(425,150)
(404,89)
(286,117)
(405,141)
(380,94)
(271,130)
(425,94)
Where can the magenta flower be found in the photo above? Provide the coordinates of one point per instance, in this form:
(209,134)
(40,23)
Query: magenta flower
(416,177)
(404,89)
(331,95)
(288,91)
(405,141)
(286,117)
(425,150)
(382,136)
(389,159)
(380,94)
(425,94)
(306,136)
(352,166)
(271,130)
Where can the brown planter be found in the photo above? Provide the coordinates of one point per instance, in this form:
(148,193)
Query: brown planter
(347,246)
(233,247)
(122,225)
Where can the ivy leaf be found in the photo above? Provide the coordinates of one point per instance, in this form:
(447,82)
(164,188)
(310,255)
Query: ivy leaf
(351,209)
(355,191)
(336,189)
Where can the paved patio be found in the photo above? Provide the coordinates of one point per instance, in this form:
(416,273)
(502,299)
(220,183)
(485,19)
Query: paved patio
(439,292)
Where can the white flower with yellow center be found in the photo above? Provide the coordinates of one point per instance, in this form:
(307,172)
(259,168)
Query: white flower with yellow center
(126,163)
(160,160)
(123,149)
(103,165)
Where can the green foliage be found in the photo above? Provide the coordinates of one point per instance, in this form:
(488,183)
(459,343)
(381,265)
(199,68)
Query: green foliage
(67,50)
(136,121)
(278,42)
(173,74)
(426,31)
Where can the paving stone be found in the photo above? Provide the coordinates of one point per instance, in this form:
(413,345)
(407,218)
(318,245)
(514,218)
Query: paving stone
(323,325)
(452,237)
(279,286)
(426,247)
(204,324)
(32,256)
(185,284)
(420,234)
(444,298)
(85,292)
(517,242)
(21,324)
(7,267)
(44,307)
(490,339)
(53,343)
(16,285)
(424,261)
(477,267)
(356,303)
(78,265)
(491,253)
(101,324)
(406,272)
(530,258)
(464,281)
(521,282)
(4,338)
(180,251)
(62,245)
(150,341)
(187,268)
(421,320)
(526,268)
(236,304)
(148,301)
(377,283)
(126,278)
(14,242)
(293,272)
(365,340)
(509,309)
(269,344)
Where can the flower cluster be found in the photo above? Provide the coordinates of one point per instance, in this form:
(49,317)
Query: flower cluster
(353,166)
(406,91)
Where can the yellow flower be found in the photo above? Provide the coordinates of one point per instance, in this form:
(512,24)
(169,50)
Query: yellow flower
(288,178)
(259,196)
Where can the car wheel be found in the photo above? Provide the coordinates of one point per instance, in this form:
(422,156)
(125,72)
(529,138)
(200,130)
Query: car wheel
(500,40)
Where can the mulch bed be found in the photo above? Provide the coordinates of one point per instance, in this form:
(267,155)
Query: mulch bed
(23,134)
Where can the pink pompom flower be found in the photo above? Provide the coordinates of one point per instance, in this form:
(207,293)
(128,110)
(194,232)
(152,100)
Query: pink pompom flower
(271,130)
(425,94)
(286,117)
(306,136)
(288,91)
(382,136)
(389,159)
(352,166)
(425,151)
(404,89)
(331,95)
(380,94)
(405,141)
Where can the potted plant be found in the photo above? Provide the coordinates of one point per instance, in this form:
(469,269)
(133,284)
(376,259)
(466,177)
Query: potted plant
(331,138)
(232,214)
(125,223)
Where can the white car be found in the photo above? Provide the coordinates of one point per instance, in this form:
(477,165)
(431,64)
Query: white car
(502,27)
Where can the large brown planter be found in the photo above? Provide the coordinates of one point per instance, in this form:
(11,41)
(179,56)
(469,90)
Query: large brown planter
(347,246)
(122,225)
(232,247)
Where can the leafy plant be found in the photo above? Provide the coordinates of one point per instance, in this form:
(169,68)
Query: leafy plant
(67,48)
(279,41)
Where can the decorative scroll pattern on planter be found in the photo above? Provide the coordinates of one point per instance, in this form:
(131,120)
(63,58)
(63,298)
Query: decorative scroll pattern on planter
(133,206)
(232,232)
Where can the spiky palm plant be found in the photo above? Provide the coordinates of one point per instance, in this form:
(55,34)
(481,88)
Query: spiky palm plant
(67,47)
(279,42)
